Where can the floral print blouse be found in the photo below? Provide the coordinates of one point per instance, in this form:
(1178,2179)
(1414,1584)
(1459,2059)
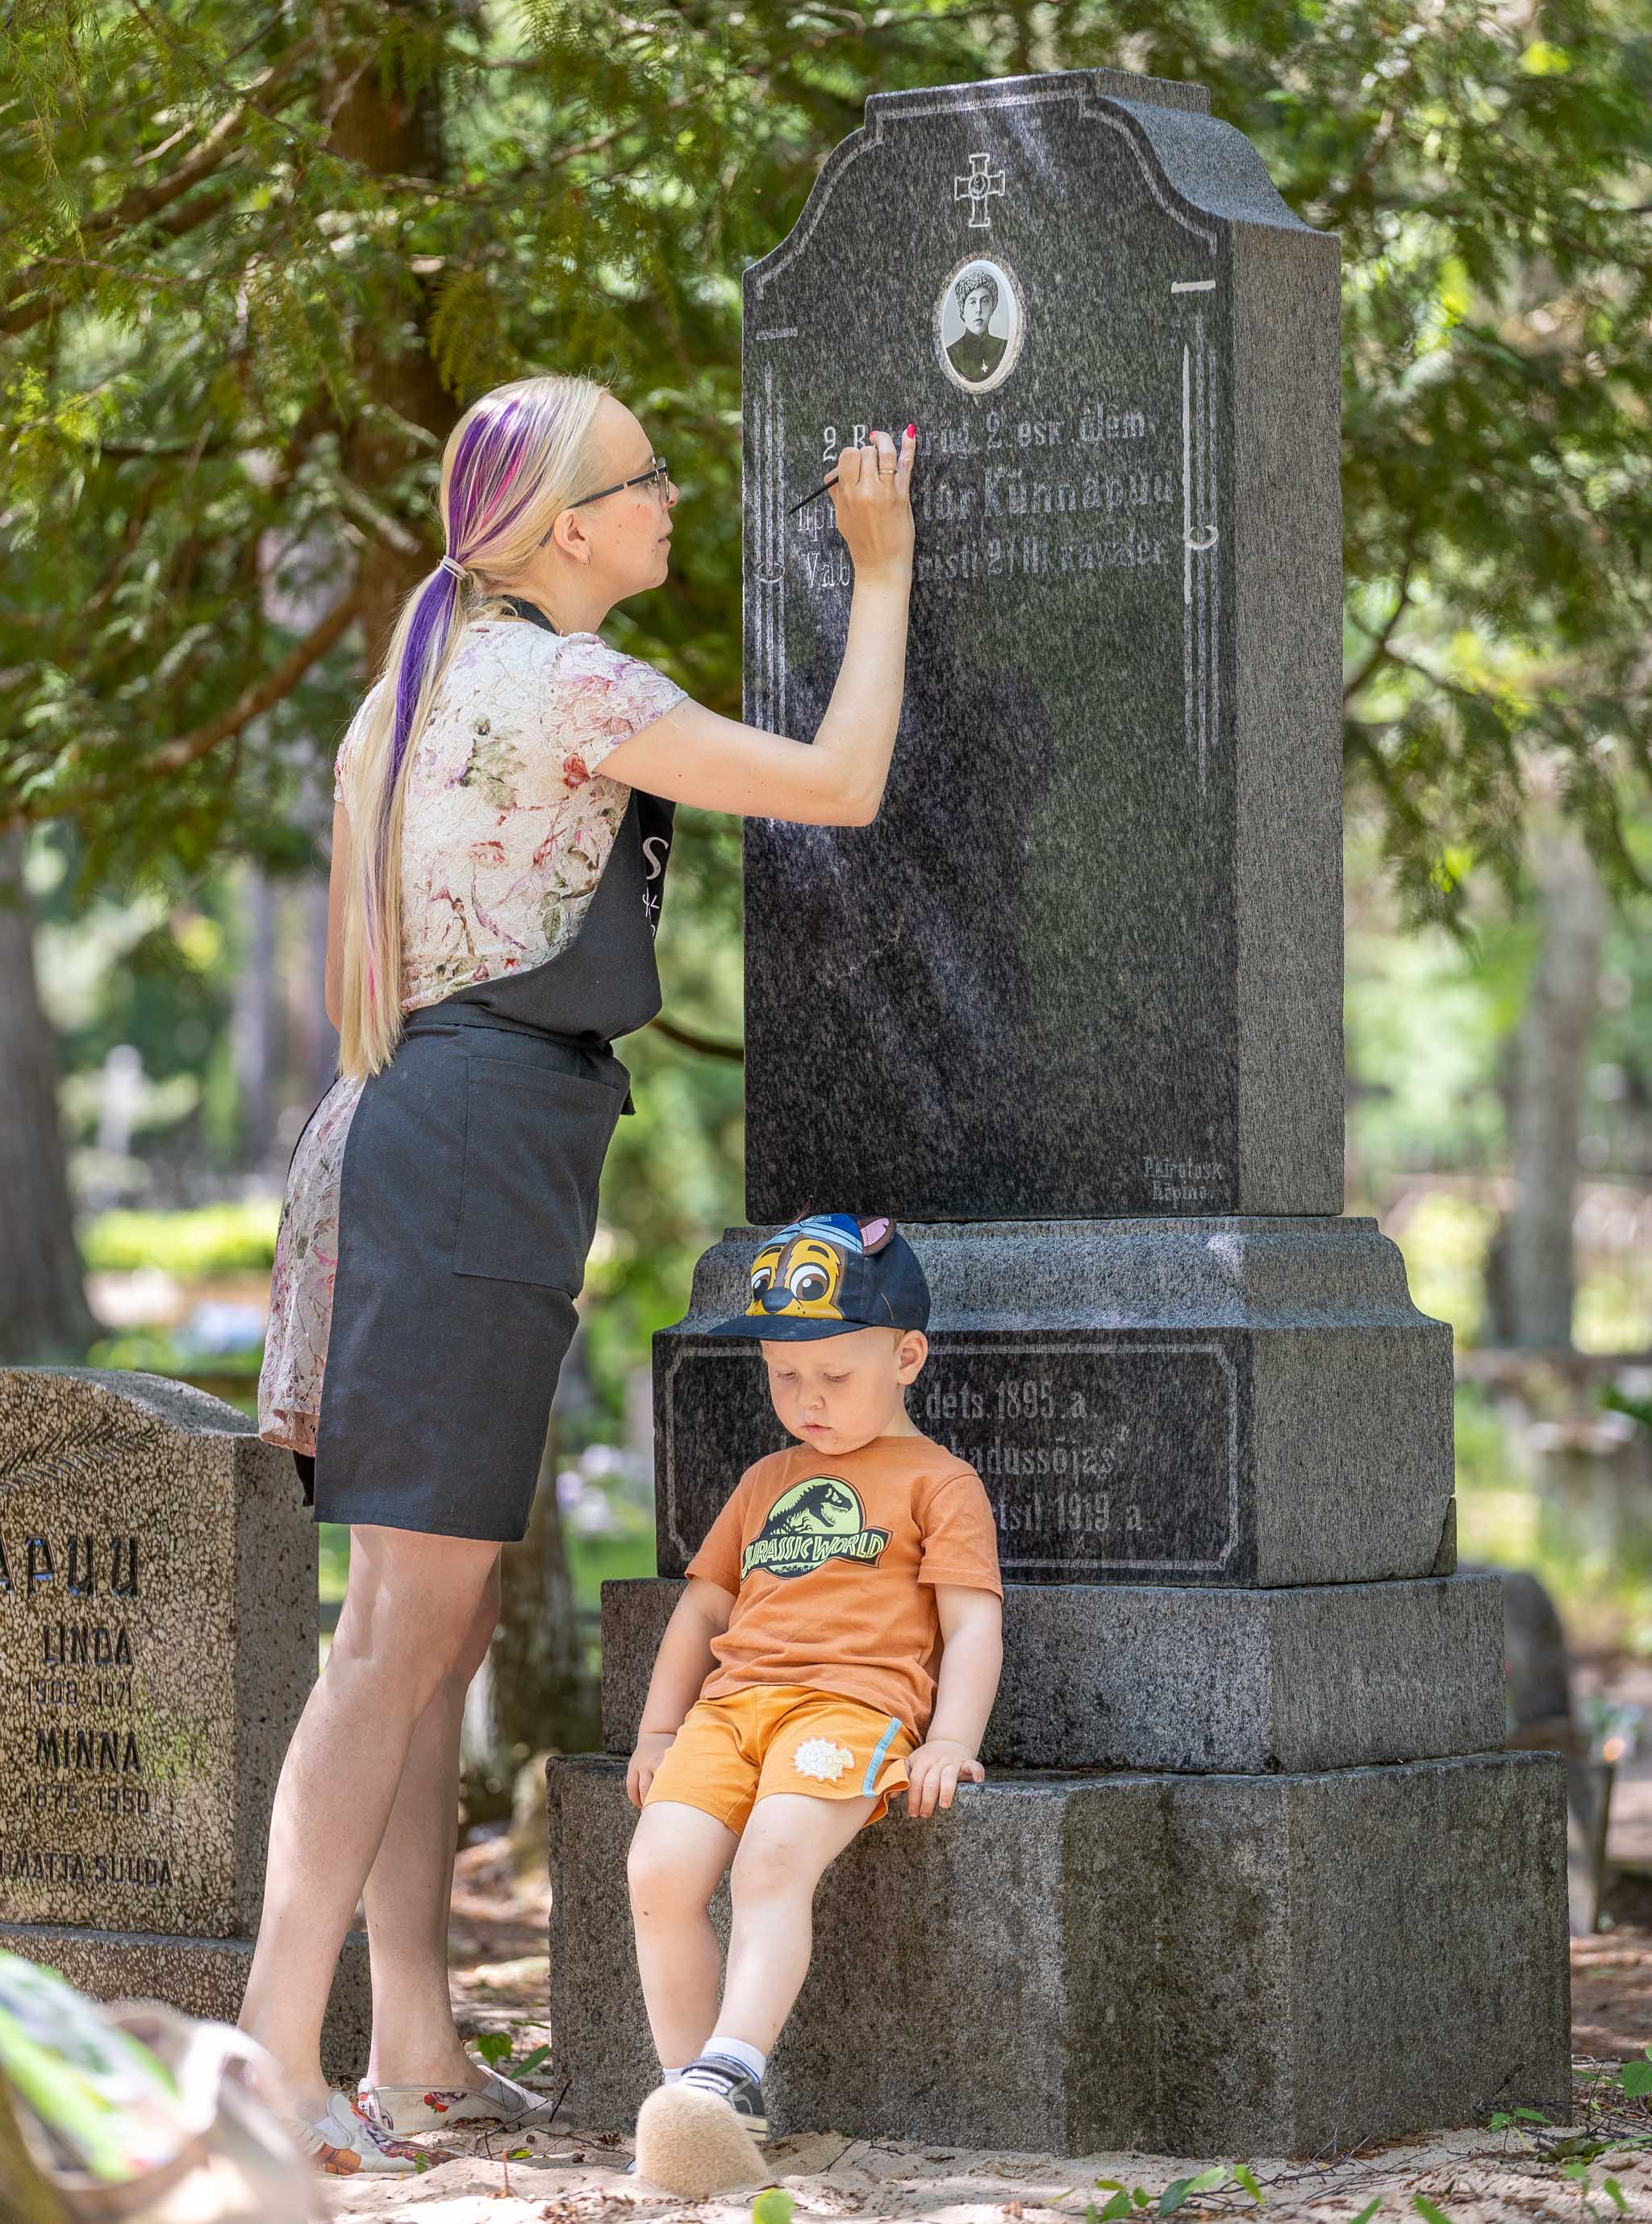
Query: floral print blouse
(507,824)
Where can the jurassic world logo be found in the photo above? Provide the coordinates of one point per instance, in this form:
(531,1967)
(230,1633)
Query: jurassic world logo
(813,1522)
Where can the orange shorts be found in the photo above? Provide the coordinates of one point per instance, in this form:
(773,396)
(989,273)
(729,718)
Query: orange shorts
(732,1752)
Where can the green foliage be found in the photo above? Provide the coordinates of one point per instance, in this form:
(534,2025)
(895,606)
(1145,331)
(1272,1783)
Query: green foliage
(213,1238)
(252,276)
(1575,2153)
(154,1351)
(1581,2175)
(1206,2181)
(495,2048)
(1134,2200)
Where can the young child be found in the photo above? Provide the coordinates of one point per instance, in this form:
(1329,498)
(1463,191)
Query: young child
(847,1602)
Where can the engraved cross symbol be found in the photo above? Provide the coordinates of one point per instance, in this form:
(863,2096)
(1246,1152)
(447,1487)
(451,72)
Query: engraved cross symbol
(982,180)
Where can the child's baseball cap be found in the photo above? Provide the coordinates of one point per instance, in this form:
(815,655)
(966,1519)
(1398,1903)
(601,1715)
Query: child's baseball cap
(829,1272)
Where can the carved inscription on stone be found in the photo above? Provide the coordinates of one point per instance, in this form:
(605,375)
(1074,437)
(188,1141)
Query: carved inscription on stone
(116,1744)
(1107,1458)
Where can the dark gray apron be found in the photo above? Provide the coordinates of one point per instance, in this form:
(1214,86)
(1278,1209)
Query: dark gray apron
(467,1206)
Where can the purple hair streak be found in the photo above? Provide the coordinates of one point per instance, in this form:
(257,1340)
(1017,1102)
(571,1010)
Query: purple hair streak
(518,456)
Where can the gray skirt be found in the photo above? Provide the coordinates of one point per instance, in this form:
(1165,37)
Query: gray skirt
(468,1201)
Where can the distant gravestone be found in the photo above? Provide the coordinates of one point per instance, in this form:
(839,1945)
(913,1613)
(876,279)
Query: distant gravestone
(1087,959)
(158,1636)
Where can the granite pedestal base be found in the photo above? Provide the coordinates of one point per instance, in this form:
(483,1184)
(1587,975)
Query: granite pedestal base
(198,1976)
(1212,1965)
(1256,1683)
(1208,1402)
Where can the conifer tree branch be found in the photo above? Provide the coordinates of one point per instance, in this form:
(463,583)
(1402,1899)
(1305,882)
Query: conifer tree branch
(173,757)
(140,203)
(1380,640)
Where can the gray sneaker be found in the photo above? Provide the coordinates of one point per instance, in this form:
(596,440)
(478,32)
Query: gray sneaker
(729,2082)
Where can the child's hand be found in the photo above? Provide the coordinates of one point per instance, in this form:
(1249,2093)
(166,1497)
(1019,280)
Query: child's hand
(933,1774)
(651,1748)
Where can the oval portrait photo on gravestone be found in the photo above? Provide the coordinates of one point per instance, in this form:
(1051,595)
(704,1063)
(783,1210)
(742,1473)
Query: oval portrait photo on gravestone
(979,324)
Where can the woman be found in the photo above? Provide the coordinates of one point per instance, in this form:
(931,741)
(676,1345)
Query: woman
(504,804)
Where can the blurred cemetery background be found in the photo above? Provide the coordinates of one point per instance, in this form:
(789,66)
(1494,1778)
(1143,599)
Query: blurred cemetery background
(225,415)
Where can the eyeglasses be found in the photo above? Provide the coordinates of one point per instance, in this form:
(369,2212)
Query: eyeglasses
(654,479)
(654,476)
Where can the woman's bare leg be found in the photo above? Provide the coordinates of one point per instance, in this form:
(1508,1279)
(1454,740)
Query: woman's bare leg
(408,1893)
(409,1611)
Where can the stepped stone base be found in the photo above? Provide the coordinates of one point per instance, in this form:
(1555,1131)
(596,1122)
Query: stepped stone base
(200,1977)
(1212,1965)
(1255,1682)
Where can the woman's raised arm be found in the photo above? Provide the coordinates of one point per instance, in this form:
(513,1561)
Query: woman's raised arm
(693,756)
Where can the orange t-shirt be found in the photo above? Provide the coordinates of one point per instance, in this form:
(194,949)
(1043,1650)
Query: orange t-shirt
(832,1559)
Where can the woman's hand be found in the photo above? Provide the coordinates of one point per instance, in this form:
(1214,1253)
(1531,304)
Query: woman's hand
(692,755)
(653,1746)
(872,503)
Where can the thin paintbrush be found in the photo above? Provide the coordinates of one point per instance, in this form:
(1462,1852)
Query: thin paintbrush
(826,485)
(824,488)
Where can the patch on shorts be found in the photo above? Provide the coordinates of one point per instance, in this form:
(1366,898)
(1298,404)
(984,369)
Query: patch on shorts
(819,1758)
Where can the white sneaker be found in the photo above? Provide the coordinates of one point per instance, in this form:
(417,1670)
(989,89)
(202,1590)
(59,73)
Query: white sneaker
(346,2143)
(403,2108)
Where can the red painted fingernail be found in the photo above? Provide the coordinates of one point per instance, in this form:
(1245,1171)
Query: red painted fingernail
(911,432)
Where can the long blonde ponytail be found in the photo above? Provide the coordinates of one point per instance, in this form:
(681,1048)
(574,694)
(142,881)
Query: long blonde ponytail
(513,461)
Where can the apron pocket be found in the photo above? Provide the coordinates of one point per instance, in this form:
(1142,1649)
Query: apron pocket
(534,1142)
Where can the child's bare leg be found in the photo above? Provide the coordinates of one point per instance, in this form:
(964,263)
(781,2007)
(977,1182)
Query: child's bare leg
(678,1854)
(788,1845)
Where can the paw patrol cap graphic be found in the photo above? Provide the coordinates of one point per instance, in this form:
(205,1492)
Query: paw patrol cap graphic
(828,1274)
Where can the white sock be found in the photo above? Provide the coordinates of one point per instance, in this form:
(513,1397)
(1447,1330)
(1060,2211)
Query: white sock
(669,2076)
(736,2050)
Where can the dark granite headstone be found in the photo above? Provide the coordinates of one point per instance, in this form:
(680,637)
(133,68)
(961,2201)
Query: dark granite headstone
(1087,959)
(1070,1010)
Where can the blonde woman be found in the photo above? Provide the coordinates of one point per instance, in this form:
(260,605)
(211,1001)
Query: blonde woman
(503,820)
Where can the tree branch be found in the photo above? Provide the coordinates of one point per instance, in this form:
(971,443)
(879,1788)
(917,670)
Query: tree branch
(706,1045)
(1380,640)
(175,755)
(357,502)
(140,202)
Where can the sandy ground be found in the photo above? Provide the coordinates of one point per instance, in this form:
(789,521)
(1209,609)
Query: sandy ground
(500,1976)
(1466,2176)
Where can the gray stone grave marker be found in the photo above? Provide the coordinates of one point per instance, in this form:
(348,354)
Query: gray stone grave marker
(158,1635)
(1250,1870)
